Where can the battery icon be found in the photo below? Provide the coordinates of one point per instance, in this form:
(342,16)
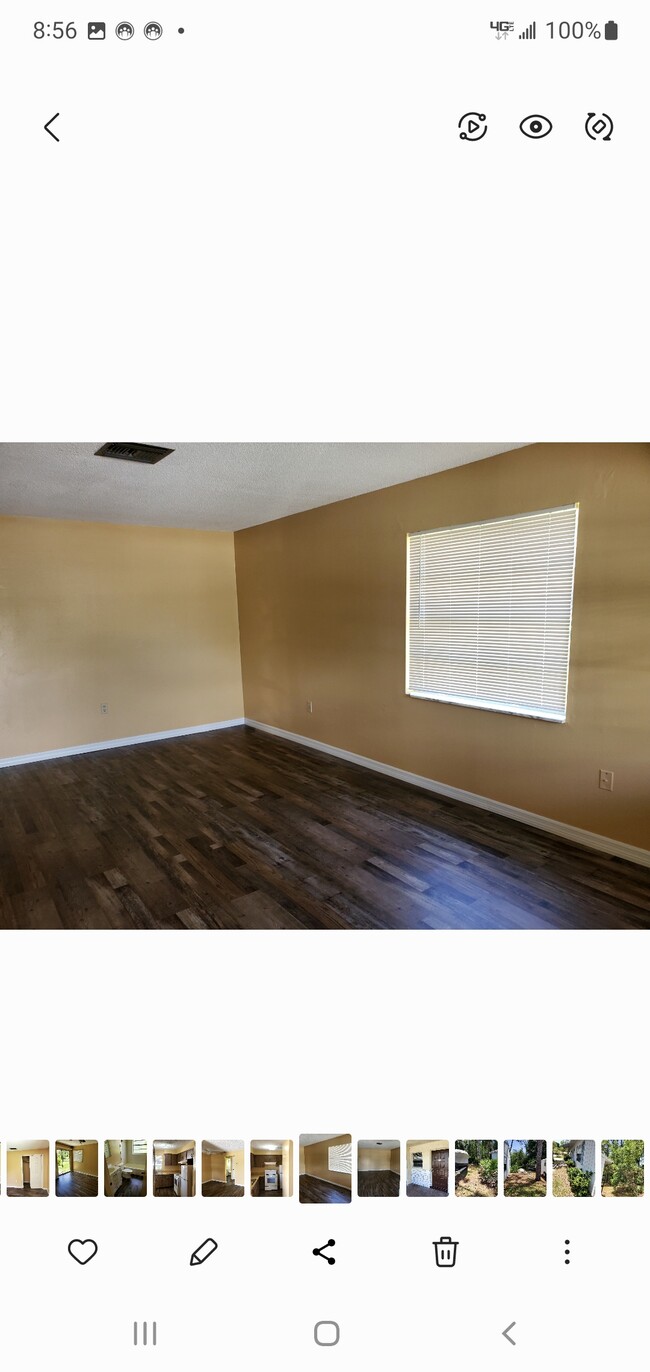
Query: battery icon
(611,30)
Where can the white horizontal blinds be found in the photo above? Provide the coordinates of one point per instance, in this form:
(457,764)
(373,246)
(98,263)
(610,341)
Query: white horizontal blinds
(339,1157)
(489,613)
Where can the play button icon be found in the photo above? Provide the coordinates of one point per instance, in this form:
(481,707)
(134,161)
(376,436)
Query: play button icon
(473,127)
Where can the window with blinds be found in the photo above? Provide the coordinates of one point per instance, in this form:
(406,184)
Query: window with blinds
(489,613)
(339,1157)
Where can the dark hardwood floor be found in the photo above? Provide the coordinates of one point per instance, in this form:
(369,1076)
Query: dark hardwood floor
(133,1186)
(378,1183)
(313,1191)
(25,1191)
(221,1188)
(76,1184)
(241,830)
(423,1191)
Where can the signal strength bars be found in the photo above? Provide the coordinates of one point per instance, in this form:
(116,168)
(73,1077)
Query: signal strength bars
(531,31)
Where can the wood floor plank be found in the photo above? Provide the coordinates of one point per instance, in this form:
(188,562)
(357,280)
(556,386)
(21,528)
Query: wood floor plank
(241,830)
(76,1184)
(221,1188)
(378,1183)
(314,1191)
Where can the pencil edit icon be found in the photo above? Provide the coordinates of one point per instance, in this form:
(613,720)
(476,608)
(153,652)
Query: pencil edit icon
(203,1252)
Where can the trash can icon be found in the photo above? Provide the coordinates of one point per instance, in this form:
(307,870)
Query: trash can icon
(611,30)
(445,1252)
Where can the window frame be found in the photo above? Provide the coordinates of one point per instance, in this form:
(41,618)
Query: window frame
(340,1149)
(500,707)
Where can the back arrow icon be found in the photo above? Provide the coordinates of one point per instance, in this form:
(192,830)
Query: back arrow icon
(506,1333)
(48,129)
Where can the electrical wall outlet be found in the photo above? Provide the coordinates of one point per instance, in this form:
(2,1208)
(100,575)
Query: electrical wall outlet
(606,781)
(310,707)
(104,708)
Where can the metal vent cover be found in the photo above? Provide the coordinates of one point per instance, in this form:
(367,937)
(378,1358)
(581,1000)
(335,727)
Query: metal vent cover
(134,452)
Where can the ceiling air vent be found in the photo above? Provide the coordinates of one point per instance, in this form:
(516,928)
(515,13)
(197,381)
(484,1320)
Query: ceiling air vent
(134,452)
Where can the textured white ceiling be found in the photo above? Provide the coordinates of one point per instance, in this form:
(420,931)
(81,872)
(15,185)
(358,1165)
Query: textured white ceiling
(212,485)
(27,1145)
(172,1145)
(307,1139)
(222,1145)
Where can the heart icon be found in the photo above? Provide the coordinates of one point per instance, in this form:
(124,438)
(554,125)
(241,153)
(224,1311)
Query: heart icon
(82,1250)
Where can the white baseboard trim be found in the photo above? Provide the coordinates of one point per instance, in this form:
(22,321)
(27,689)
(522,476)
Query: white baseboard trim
(315,1177)
(570,832)
(118,743)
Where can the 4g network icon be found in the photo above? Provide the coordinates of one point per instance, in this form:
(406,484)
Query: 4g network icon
(502,27)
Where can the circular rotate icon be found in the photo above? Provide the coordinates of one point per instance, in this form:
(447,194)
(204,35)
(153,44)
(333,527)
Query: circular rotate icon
(599,126)
(125,31)
(472,127)
(153,30)
(536,126)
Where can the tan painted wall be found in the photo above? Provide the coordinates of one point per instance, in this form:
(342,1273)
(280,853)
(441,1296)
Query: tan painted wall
(378,1160)
(214,1166)
(315,1158)
(132,1159)
(15,1166)
(322,617)
(238,1164)
(287,1168)
(88,1163)
(374,1160)
(144,619)
(89,1159)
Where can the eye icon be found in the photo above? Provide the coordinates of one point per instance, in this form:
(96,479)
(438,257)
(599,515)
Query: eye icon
(536,126)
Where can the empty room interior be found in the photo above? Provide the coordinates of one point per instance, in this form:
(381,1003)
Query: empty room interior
(325,1169)
(76,1167)
(28,1168)
(327,686)
(378,1167)
(222,1167)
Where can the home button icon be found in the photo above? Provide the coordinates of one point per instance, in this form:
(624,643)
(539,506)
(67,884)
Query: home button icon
(326,1333)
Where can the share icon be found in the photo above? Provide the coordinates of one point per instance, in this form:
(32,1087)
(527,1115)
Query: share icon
(318,1252)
